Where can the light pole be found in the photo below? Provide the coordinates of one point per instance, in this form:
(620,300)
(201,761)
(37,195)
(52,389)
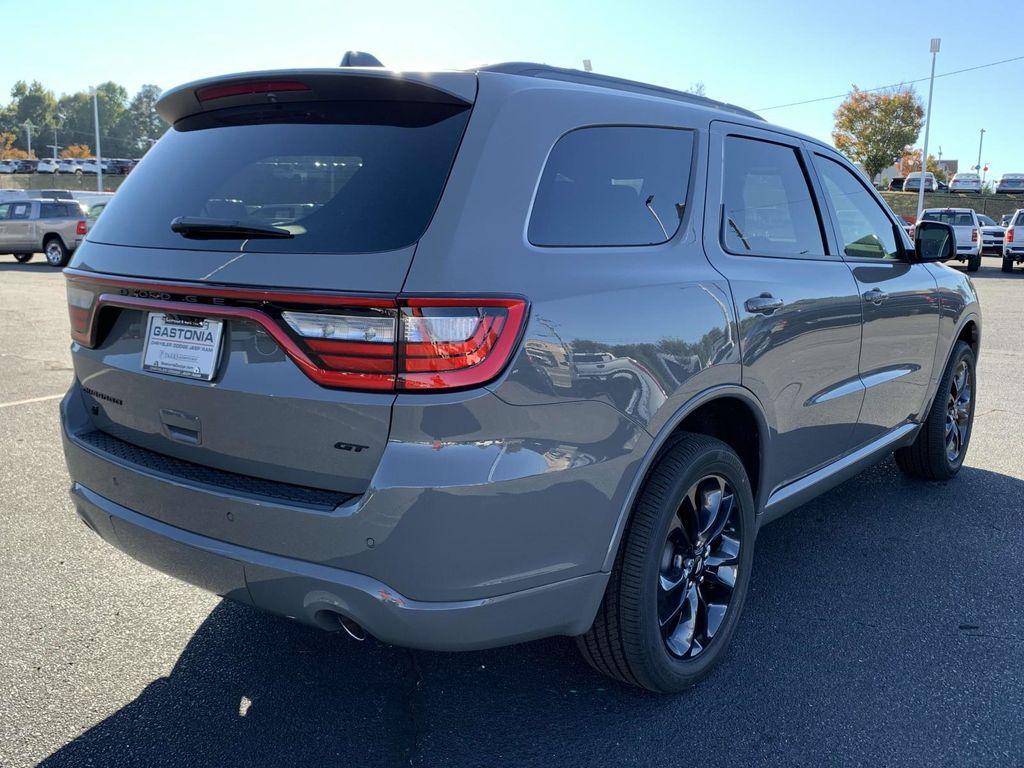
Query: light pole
(981,140)
(28,133)
(55,145)
(936,42)
(99,154)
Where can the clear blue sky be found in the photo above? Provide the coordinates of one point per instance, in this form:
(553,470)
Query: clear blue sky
(756,54)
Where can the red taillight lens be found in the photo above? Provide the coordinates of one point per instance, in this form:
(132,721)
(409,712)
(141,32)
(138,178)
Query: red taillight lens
(376,344)
(80,229)
(449,344)
(1009,235)
(81,304)
(974,235)
(211,92)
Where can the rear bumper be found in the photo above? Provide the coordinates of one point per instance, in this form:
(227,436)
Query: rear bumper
(310,593)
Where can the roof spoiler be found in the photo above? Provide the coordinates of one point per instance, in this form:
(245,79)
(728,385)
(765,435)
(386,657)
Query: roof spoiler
(351,83)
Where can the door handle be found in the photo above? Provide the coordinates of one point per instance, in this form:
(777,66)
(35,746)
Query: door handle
(764,304)
(876,296)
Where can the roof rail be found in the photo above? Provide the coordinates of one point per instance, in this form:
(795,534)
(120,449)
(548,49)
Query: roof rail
(545,71)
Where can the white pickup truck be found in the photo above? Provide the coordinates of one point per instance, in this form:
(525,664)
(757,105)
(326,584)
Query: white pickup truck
(968,232)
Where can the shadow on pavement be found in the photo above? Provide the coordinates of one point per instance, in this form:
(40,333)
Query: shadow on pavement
(38,264)
(881,628)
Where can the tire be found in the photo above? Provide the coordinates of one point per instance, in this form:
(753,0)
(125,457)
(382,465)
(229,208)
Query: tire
(931,456)
(1007,264)
(626,641)
(56,253)
(23,258)
(974,263)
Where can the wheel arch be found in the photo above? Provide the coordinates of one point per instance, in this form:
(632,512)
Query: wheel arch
(714,412)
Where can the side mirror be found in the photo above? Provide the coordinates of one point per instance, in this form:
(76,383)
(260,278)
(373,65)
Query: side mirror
(934,241)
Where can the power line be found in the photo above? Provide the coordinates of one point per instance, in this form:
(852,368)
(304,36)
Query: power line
(892,85)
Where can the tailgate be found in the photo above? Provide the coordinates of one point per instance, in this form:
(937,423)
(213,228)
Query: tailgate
(303,195)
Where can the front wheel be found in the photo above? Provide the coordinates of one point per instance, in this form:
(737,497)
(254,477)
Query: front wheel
(939,449)
(57,254)
(974,263)
(681,575)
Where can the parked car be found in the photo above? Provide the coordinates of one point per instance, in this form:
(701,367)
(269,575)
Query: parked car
(53,227)
(48,165)
(92,165)
(774,333)
(913,182)
(117,167)
(8,166)
(896,185)
(965,182)
(991,236)
(26,166)
(1004,220)
(1013,243)
(968,232)
(1010,184)
(71,165)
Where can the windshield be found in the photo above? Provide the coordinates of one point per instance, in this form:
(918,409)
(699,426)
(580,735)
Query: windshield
(341,177)
(956,218)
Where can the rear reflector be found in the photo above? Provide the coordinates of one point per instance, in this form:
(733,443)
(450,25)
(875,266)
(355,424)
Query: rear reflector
(376,344)
(212,92)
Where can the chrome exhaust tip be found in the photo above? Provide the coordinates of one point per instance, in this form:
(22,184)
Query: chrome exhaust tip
(352,629)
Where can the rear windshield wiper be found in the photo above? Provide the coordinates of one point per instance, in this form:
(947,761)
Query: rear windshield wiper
(200,228)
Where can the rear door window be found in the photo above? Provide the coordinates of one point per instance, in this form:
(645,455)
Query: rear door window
(341,177)
(613,186)
(864,229)
(769,209)
(51,211)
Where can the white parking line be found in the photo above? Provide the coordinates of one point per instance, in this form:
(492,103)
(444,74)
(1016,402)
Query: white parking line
(31,400)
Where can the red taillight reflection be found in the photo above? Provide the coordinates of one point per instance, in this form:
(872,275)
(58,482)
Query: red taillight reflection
(212,92)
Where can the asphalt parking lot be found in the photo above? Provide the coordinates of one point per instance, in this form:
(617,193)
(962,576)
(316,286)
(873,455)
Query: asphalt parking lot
(885,625)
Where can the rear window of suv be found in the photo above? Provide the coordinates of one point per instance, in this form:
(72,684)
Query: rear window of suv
(341,177)
(613,185)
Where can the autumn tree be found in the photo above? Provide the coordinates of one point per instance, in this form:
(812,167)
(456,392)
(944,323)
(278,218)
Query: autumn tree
(76,150)
(874,128)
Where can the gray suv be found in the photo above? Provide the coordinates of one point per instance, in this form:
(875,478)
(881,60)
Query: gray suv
(465,359)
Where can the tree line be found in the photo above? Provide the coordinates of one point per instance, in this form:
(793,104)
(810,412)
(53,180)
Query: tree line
(128,125)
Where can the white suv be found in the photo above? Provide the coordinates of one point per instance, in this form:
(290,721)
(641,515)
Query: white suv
(968,232)
(48,165)
(913,182)
(965,182)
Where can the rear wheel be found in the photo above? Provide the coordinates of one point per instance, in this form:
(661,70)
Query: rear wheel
(1007,264)
(21,258)
(940,447)
(681,575)
(56,252)
(974,263)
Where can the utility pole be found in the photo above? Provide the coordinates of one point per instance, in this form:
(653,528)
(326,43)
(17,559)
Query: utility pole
(99,154)
(55,145)
(28,133)
(934,47)
(981,140)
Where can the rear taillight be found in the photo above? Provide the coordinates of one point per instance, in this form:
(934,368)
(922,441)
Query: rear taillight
(80,229)
(1009,235)
(424,343)
(390,345)
(974,235)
